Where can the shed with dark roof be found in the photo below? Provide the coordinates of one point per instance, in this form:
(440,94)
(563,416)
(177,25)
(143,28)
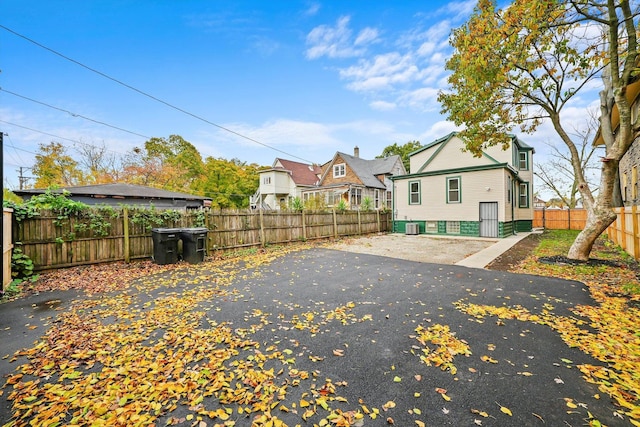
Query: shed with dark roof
(126,194)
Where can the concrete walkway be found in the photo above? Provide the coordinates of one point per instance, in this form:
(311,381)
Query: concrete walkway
(484,257)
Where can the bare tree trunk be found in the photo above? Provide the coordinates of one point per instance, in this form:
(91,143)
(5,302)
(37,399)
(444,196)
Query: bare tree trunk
(600,214)
(597,222)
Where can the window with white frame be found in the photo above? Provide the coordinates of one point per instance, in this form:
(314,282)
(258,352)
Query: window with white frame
(523,160)
(389,199)
(333,198)
(524,195)
(414,192)
(453,190)
(376,199)
(356,196)
(266,180)
(339,170)
(509,185)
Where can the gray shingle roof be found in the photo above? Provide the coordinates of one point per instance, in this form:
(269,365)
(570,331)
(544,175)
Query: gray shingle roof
(368,169)
(122,190)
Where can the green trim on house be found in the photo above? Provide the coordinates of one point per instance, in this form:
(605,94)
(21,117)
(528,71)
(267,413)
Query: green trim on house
(470,228)
(435,154)
(489,157)
(505,229)
(431,144)
(524,225)
(467,228)
(419,182)
(528,201)
(401,226)
(452,171)
(448,189)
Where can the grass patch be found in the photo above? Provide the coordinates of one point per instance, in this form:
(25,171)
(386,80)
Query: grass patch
(555,242)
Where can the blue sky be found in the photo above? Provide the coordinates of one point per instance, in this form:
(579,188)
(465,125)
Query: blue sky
(304,77)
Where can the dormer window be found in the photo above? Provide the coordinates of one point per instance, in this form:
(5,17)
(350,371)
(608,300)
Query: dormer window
(339,170)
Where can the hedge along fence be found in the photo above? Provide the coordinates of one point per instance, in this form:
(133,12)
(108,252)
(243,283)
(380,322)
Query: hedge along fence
(54,242)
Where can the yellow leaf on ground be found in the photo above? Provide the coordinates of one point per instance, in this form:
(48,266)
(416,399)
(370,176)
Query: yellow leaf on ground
(505,410)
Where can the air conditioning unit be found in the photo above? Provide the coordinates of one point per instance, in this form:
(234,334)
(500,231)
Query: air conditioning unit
(411,228)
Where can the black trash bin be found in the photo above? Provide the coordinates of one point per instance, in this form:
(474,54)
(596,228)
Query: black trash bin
(165,245)
(194,244)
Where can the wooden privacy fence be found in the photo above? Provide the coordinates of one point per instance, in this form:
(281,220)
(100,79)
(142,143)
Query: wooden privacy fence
(624,231)
(53,243)
(560,219)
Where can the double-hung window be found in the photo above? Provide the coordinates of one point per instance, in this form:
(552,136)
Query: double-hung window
(523,160)
(414,192)
(339,170)
(453,190)
(356,196)
(524,195)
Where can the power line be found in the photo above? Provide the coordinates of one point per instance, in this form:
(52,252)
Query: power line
(53,136)
(12,145)
(73,114)
(166,187)
(113,79)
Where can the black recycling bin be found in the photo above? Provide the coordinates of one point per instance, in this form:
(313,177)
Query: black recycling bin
(165,245)
(194,244)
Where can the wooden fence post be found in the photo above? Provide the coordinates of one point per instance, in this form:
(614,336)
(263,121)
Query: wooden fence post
(623,228)
(262,238)
(359,224)
(335,224)
(634,218)
(304,226)
(378,219)
(125,219)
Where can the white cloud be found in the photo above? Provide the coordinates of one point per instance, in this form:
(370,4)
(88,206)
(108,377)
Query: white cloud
(336,41)
(284,132)
(423,98)
(383,105)
(382,72)
(457,9)
(438,130)
(368,35)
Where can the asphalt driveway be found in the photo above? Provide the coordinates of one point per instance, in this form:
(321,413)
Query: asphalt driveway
(315,335)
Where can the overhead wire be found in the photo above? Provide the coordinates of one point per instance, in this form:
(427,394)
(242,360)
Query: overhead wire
(128,86)
(74,114)
(43,133)
(168,188)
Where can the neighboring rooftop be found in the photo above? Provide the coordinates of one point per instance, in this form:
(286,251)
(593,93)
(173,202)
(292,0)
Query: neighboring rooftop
(301,173)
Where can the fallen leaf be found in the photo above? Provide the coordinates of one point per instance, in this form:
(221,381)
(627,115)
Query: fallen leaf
(504,409)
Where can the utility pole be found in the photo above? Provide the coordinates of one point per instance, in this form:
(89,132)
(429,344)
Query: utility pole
(21,178)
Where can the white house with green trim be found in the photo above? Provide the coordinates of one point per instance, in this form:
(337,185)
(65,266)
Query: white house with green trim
(449,191)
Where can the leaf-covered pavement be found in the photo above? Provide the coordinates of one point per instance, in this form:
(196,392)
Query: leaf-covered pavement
(316,337)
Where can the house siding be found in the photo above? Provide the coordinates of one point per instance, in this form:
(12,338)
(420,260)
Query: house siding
(434,192)
(485,179)
(628,161)
(467,228)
